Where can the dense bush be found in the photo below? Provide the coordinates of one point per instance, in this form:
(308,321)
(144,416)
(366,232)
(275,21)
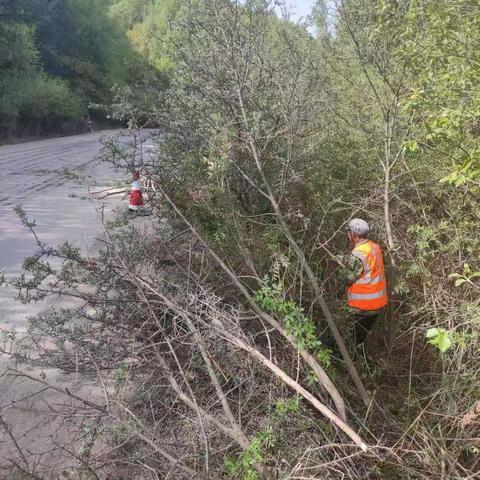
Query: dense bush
(206,331)
(56,59)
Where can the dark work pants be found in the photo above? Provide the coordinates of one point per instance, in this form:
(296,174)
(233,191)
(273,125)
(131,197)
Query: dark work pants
(362,325)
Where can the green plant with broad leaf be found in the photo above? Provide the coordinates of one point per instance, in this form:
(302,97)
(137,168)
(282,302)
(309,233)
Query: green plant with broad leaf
(271,298)
(439,337)
(467,276)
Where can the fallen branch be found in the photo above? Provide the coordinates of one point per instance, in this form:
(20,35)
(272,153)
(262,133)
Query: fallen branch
(324,410)
(307,356)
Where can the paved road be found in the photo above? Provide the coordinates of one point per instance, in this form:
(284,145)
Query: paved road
(32,168)
(43,177)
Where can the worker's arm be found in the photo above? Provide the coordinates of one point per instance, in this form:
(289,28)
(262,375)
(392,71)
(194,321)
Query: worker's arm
(352,270)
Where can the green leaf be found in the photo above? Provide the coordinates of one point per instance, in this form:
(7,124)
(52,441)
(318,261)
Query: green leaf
(444,342)
(440,338)
(432,332)
(454,275)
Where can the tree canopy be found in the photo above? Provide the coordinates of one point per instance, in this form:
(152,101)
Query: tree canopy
(57,58)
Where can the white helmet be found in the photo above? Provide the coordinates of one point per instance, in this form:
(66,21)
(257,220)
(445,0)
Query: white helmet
(358,227)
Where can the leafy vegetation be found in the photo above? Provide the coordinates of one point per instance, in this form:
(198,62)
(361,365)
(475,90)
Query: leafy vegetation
(296,323)
(57,58)
(271,140)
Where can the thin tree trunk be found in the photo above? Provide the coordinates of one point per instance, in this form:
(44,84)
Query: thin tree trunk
(391,318)
(365,396)
(307,356)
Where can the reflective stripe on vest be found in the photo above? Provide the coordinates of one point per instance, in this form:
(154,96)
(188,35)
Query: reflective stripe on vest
(369,281)
(369,292)
(366,296)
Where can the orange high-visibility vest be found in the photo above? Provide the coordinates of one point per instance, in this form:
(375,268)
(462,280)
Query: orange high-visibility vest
(369,292)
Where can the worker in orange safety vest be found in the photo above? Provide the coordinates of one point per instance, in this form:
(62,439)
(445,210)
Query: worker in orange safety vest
(364,273)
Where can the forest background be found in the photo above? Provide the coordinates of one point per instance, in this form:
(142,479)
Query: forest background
(205,331)
(60,58)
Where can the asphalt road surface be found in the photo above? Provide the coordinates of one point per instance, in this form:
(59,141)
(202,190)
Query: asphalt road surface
(51,180)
